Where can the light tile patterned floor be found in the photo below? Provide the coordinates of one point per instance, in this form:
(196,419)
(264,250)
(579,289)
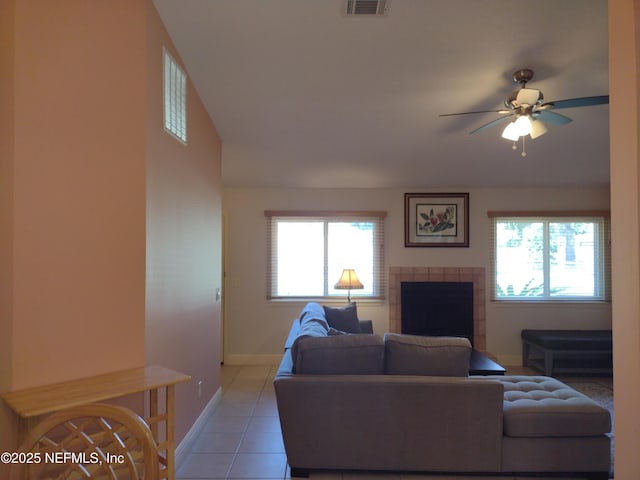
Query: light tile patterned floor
(242,439)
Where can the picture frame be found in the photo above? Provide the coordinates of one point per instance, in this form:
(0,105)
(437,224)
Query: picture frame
(436,219)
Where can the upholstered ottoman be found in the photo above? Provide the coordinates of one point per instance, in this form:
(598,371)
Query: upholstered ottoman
(538,408)
(568,351)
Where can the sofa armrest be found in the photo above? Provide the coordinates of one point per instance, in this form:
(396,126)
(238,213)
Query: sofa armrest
(293,334)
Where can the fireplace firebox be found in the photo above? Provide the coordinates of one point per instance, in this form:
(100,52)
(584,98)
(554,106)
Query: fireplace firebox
(437,309)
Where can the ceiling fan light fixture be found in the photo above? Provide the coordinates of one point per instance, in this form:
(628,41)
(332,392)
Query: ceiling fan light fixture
(510,132)
(537,129)
(523,125)
(524,97)
(529,96)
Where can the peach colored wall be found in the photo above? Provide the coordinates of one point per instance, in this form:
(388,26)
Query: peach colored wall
(76,167)
(624,82)
(79,190)
(81,121)
(183,240)
(7,421)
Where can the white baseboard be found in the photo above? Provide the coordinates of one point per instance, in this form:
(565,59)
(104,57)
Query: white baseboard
(252,359)
(185,446)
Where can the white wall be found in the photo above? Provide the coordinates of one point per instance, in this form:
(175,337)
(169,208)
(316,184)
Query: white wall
(255,329)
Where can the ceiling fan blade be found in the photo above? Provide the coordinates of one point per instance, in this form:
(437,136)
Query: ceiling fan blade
(576,102)
(551,117)
(491,124)
(479,111)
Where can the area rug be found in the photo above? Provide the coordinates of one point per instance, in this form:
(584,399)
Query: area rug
(602,393)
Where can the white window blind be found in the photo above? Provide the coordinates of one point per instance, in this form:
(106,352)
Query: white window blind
(551,256)
(307,252)
(175,98)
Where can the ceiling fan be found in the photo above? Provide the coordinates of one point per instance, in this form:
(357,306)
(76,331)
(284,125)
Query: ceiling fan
(528,111)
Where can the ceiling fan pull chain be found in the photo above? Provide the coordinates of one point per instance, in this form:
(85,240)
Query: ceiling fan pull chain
(524,153)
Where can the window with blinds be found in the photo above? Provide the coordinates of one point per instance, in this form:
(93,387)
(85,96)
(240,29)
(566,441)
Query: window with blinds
(551,256)
(307,252)
(175,98)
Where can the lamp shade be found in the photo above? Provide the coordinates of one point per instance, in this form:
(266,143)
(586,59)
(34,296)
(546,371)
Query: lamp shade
(348,280)
(510,132)
(537,129)
(523,125)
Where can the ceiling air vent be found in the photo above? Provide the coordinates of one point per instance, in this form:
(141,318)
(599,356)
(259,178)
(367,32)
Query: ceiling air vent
(367,7)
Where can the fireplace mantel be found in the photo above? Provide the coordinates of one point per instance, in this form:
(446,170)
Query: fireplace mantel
(397,275)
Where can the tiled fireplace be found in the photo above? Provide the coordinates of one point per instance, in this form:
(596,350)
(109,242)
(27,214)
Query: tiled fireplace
(476,275)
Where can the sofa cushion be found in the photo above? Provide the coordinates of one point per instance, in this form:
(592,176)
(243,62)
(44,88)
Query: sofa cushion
(536,406)
(339,355)
(344,318)
(418,355)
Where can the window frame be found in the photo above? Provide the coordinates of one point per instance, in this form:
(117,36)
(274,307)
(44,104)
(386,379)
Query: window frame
(602,263)
(174,106)
(378,261)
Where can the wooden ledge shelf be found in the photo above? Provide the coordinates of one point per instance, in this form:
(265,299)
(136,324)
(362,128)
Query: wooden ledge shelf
(32,402)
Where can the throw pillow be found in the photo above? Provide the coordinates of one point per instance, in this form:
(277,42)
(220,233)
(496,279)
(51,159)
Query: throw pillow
(344,319)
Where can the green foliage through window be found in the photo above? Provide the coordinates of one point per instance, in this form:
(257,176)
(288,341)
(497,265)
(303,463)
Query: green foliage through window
(551,258)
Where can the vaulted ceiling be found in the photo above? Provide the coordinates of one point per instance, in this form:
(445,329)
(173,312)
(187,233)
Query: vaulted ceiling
(304,95)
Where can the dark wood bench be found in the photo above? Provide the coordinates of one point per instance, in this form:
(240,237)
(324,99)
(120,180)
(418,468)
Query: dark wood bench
(568,351)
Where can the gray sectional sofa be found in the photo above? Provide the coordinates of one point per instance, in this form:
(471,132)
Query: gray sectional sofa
(352,400)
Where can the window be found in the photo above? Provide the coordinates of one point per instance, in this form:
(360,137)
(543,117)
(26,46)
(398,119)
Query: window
(549,258)
(175,98)
(308,250)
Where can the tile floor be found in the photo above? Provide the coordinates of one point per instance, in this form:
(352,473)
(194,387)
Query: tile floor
(242,439)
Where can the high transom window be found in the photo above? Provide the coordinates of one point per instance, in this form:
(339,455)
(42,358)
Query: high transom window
(308,251)
(175,98)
